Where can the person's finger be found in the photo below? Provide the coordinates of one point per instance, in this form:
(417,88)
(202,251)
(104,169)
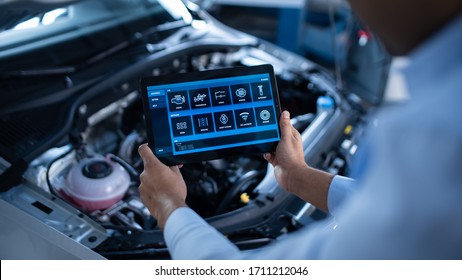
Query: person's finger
(270,157)
(148,157)
(286,127)
(175,168)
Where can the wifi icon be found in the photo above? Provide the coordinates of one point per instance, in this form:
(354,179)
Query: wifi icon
(244,116)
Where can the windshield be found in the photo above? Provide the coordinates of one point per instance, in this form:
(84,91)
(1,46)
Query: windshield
(61,35)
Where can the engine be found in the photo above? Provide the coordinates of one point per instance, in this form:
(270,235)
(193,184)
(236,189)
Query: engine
(98,173)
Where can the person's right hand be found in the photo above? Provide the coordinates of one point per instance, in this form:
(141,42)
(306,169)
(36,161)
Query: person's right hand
(291,170)
(288,160)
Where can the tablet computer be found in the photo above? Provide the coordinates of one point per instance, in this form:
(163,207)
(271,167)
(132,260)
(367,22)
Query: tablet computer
(192,117)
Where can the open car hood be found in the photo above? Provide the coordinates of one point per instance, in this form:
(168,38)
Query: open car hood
(367,68)
(13,12)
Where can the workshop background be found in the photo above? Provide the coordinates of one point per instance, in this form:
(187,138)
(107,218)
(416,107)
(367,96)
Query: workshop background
(324,31)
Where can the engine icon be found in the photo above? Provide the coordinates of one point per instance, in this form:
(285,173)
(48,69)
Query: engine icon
(265,115)
(178,99)
(241,92)
(244,116)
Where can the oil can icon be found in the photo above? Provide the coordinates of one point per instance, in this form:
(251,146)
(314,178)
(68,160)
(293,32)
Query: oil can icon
(224,119)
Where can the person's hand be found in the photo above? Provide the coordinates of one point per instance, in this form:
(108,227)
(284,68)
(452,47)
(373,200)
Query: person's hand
(288,160)
(291,170)
(162,188)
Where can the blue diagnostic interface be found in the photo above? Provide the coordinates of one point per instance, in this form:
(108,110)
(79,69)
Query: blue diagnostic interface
(212,114)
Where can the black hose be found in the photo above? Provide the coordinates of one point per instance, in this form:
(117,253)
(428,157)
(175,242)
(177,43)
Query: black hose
(134,174)
(47,175)
(238,187)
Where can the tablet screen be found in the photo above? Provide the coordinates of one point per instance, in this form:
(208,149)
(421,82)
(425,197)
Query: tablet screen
(206,115)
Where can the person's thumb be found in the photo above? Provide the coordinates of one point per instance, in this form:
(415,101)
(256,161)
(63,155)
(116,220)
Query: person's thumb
(285,125)
(147,156)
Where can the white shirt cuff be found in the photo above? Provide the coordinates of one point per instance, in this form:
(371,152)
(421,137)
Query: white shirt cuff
(188,236)
(340,190)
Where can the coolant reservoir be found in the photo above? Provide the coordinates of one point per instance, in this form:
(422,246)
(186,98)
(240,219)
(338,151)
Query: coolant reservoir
(97,183)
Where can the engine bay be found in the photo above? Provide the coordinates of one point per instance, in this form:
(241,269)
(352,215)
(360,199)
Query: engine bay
(85,185)
(108,147)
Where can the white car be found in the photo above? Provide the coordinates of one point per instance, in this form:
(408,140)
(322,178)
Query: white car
(71,114)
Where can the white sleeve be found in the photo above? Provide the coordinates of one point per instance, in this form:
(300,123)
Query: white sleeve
(341,188)
(188,236)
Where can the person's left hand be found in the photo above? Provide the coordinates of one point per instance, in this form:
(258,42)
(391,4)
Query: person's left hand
(162,188)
